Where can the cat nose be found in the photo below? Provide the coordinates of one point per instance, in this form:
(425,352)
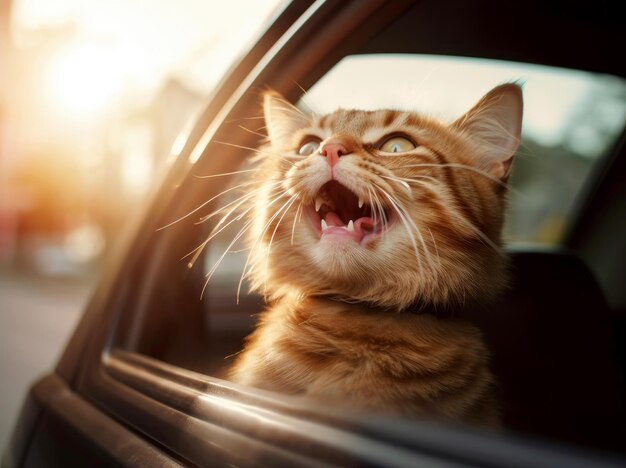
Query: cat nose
(333,151)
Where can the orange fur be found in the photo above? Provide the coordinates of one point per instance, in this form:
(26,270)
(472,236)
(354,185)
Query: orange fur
(440,247)
(406,363)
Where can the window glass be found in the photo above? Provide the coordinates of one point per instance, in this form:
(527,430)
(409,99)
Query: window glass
(570,119)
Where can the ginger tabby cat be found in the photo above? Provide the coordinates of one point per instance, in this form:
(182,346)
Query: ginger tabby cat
(367,227)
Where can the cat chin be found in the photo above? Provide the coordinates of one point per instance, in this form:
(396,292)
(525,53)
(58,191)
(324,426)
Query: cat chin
(340,258)
(337,249)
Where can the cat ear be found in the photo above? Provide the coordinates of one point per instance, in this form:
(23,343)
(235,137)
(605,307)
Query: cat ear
(495,124)
(282,118)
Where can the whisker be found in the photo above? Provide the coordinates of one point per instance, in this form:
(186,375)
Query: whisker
(302,98)
(226,173)
(196,253)
(215,231)
(409,232)
(249,148)
(472,169)
(237,202)
(242,199)
(406,217)
(293,110)
(211,236)
(424,245)
(230,189)
(288,205)
(410,180)
(258,152)
(427,185)
(400,180)
(373,205)
(300,217)
(260,117)
(252,131)
(245,249)
(421,178)
(295,219)
(380,208)
(241,232)
(256,241)
(468,224)
(479,234)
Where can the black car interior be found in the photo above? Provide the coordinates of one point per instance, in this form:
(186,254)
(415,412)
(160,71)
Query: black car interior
(554,351)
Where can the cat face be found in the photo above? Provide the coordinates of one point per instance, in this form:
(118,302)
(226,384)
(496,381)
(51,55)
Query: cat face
(384,206)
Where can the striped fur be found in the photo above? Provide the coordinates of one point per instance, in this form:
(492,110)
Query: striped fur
(445,202)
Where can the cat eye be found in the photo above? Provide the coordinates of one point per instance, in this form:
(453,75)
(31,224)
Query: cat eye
(397,144)
(309,147)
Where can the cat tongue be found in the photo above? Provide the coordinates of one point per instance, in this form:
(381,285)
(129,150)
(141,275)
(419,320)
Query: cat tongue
(366,223)
(361,227)
(333,219)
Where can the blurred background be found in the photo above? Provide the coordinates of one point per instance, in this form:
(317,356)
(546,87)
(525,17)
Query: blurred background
(93,96)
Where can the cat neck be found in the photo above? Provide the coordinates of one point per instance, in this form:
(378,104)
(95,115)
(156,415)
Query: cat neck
(418,307)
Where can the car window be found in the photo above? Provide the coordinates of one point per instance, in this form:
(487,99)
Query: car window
(571,119)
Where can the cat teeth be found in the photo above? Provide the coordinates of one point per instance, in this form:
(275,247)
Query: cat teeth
(361,202)
(349,226)
(318,203)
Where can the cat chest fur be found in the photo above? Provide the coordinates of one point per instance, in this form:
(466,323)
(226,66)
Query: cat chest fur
(416,365)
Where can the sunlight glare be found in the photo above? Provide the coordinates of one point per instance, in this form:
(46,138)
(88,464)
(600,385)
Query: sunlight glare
(83,82)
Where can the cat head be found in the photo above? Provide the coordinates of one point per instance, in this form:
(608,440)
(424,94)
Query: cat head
(384,206)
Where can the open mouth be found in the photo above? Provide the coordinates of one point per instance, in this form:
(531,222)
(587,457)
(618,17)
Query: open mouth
(337,211)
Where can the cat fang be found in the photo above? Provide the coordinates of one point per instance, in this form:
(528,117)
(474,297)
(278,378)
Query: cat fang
(339,214)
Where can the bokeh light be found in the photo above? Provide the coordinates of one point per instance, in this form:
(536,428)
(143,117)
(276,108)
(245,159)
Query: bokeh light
(82,81)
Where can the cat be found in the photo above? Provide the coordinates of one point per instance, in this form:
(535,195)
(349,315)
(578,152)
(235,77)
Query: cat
(369,230)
